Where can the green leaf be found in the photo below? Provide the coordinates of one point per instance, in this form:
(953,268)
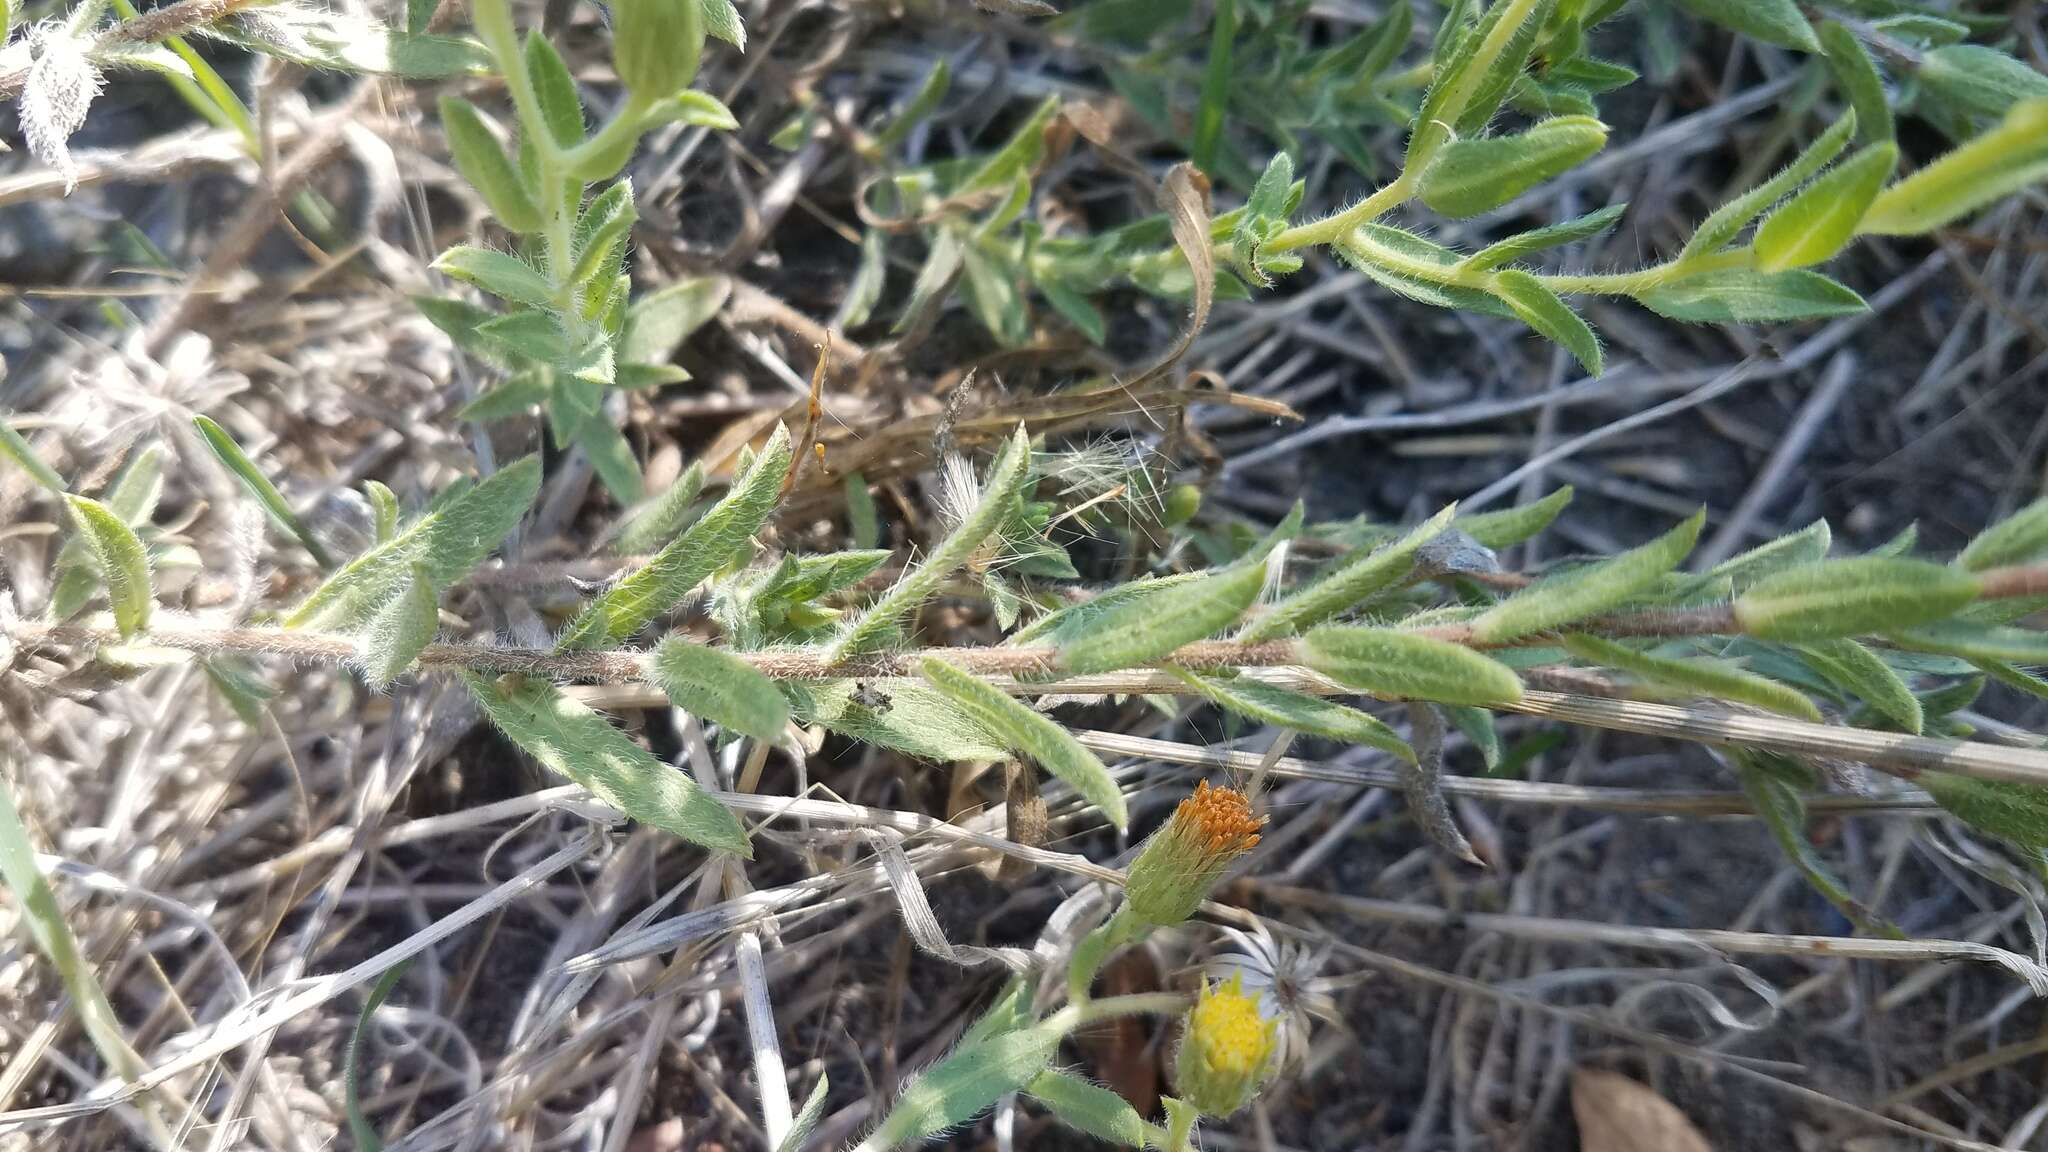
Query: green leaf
(719,687)
(1474,72)
(239,683)
(1298,711)
(1077,620)
(1006,480)
(122,562)
(863,525)
(1216,84)
(413,57)
(1347,583)
(2004,808)
(1979,79)
(582,745)
(611,456)
(1414,247)
(1856,74)
(244,469)
(1721,226)
(1546,312)
(1859,672)
(2003,160)
(930,94)
(1848,597)
(516,395)
(384,510)
(1742,296)
(1142,629)
(554,88)
(1477,726)
(709,544)
(498,273)
(1976,642)
(658,324)
(359,1128)
(530,333)
(1766,780)
(1483,173)
(965,1084)
(656,522)
(694,109)
(601,229)
(1542,239)
(722,21)
(1029,734)
(401,629)
(1511,526)
(1809,545)
(806,1117)
(449,541)
(1712,678)
(482,161)
(906,715)
(1091,1108)
(1772,21)
(1402,665)
(1587,591)
(1821,220)
(2020,538)
(14,447)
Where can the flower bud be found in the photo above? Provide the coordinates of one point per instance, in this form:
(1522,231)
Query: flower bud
(1226,1051)
(1183,860)
(656,44)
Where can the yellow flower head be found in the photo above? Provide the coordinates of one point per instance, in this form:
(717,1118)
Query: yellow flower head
(1183,860)
(1226,1049)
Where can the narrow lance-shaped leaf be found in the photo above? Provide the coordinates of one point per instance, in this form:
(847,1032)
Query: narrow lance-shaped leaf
(656,522)
(2004,808)
(16,448)
(1511,526)
(1485,172)
(383,508)
(1030,735)
(1348,583)
(1702,677)
(904,714)
(2001,161)
(1809,545)
(707,546)
(1091,1108)
(963,1085)
(1858,671)
(1540,308)
(1857,74)
(1976,642)
(499,273)
(482,161)
(245,470)
(806,1117)
(1848,597)
(1145,628)
(1779,802)
(1772,21)
(1537,240)
(1006,479)
(582,745)
(1822,219)
(1724,222)
(2018,539)
(1980,79)
(1402,665)
(400,630)
(123,563)
(1575,595)
(1750,296)
(863,523)
(719,687)
(448,542)
(1296,711)
(359,1127)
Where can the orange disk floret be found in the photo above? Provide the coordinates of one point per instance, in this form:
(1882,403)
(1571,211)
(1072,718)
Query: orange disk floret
(1223,817)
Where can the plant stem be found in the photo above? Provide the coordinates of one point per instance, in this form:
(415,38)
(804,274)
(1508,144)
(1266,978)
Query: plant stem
(1095,948)
(493,21)
(1330,228)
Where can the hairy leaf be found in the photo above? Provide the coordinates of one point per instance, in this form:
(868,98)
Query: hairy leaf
(1545,311)
(1142,629)
(907,715)
(1976,642)
(1772,21)
(1348,582)
(2004,808)
(401,628)
(1859,672)
(2018,539)
(1297,711)
(1091,1108)
(1402,665)
(806,1117)
(554,88)
(655,523)
(964,1084)
(709,544)
(1712,678)
(122,562)
(1030,735)
(1743,296)
(1848,597)
(1511,526)
(1583,592)
(719,687)
(582,745)
(1006,480)
(1483,173)
(498,273)
(1542,239)
(2001,161)
(1809,545)
(482,161)
(1856,73)
(1724,222)
(14,447)
(1767,781)
(658,323)
(1821,220)
(450,540)
(1980,79)
(244,469)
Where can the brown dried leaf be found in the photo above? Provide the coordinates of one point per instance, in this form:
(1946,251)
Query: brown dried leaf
(1617,1114)
(1185,199)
